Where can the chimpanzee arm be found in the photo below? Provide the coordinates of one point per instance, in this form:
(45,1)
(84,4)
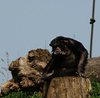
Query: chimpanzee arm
(49,66)
(48,70)
(82,63)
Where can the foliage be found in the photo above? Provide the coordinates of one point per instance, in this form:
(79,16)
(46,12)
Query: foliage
(4,70)
(21,94)
(95,93)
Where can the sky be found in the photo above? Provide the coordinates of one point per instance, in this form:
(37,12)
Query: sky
(32,24)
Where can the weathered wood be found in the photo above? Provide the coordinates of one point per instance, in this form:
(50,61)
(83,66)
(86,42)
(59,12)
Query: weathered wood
(8,87)
(25,71)
(93,68)
(67,87)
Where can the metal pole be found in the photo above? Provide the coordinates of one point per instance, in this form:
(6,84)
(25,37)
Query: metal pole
(92,20)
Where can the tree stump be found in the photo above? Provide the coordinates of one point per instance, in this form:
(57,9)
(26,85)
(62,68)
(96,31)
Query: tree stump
(67,87)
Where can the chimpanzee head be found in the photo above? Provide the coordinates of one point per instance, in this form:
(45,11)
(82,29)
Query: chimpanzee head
(59,46)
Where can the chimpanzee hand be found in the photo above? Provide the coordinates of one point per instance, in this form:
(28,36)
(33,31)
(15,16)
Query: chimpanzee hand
(44,77)
(41,78)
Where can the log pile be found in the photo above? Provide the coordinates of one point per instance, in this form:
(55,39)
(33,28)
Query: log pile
(25,72)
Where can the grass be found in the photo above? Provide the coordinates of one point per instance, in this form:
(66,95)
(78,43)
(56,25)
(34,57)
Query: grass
(4,70)
(21,94)
(95,93)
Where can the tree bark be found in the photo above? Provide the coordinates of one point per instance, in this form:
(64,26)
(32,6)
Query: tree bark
(67,87)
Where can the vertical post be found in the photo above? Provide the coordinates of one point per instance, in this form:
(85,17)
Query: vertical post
(92,20)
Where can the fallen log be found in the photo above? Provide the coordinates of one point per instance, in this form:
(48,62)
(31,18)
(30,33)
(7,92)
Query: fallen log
(93,68)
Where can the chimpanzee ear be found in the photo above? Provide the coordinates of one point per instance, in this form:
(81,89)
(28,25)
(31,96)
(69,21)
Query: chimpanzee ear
(50,44)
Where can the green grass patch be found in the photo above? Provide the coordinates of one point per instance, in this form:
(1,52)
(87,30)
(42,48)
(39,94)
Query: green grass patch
(95,93)
(21,94)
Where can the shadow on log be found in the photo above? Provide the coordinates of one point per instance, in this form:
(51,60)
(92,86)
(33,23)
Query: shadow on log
(67,87)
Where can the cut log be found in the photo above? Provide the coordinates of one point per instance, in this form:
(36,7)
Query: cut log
(67,87)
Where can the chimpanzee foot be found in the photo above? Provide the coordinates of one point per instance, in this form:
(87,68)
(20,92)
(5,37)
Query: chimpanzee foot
(81,74)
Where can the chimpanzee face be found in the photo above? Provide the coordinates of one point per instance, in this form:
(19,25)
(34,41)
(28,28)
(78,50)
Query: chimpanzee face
(58,50)
(59,47)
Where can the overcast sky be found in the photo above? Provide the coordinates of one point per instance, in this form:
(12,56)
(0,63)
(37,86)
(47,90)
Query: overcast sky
(32,24)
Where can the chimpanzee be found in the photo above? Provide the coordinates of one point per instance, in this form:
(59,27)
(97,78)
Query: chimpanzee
(68,57)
